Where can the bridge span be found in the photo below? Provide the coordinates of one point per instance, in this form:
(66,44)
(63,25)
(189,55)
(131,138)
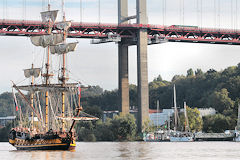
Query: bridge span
(156,33)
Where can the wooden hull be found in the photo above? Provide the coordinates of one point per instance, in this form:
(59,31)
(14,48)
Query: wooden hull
(44,147)
(50,144)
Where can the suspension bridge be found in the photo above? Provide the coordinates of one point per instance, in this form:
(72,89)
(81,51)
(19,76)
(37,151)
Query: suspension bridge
(140,34)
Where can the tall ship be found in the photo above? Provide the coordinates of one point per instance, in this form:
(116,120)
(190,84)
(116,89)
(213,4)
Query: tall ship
(176,135)
(52,107)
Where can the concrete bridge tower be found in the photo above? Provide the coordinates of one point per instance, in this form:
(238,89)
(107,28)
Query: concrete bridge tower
(123,83)
(142,66)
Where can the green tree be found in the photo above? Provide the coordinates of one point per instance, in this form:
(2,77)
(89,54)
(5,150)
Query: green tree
(85,132)
(178,77)
(190,73)
(220,101)
(124,127)
(217,123)
(94,111)
(103,131)
(194,118)
(148,126)
(198,72)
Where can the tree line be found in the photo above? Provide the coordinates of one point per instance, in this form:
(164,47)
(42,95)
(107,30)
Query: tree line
(217,89)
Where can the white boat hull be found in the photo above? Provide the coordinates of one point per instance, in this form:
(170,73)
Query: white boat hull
(181,139)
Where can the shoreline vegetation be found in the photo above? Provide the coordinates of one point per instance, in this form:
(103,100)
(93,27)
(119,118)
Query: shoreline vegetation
(217,89)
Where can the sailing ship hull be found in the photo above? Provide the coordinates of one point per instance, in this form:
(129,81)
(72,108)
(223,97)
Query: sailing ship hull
(48,141)
(40,145)
(44,147)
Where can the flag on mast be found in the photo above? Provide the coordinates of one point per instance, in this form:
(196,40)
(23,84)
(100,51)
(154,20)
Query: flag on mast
(15,100)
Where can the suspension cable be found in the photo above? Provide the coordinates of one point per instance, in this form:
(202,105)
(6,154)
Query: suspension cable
(165,11)
(24,9)
(215,14)
(3,11)
(81,11)
(232,14)
(219,19)
(99,11)
(236,21)
(180,11)
(201,12)
(183,9)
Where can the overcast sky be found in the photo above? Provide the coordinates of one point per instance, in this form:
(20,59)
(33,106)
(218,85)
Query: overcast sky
(98,64)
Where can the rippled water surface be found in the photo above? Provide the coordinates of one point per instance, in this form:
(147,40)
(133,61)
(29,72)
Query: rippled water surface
(132,151)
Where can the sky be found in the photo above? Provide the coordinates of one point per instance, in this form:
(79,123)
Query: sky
(98,64)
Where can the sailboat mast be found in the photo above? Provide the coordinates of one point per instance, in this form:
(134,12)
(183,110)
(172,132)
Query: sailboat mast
(175,108)
(157,112)
(238,120)
(186,118)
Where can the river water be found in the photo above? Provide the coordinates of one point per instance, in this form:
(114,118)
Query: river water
(132,151)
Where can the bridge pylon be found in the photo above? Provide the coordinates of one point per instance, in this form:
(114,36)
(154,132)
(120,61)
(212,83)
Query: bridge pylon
(123,82)
(142,65)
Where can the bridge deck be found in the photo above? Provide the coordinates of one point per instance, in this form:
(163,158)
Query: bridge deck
(174,33)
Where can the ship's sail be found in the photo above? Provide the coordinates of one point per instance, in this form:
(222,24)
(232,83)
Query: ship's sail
(49,15)
(32,72)
(63,48)
(47,40)
(49,87)
(64,25)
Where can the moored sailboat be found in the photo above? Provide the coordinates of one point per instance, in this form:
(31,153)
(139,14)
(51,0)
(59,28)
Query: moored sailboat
(180,136)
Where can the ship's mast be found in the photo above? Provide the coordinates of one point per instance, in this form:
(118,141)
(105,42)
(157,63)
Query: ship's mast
(31,102)
(63,78)
(47,75)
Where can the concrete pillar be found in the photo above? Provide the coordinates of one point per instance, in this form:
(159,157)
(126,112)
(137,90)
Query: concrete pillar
(142,66)
(123,62)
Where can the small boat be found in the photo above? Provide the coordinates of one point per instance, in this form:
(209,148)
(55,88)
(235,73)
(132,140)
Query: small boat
(158,135)
(179,136)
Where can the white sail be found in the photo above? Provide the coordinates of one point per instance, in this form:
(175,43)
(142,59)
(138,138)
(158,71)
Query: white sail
(64,25)
(32,72)
(47,40)
(63,48)
(49,15)
(78,118)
